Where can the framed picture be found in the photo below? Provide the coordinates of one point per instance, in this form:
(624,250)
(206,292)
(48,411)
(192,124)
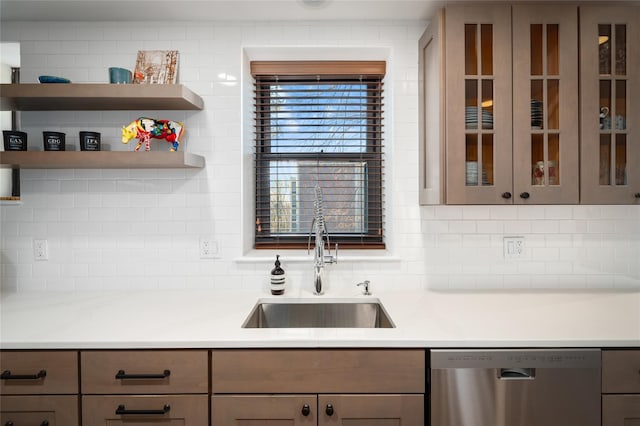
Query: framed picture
(156,67)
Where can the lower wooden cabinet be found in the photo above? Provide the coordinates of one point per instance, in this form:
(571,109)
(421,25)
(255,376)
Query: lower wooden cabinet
(319,387)
(368,410)
(54,410)
(620,410)
(293,410)
(321,410)
(249,387)
(144,410)
(621,387)
(143,387)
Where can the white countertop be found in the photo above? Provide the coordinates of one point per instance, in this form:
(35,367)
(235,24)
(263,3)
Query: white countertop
(213,319)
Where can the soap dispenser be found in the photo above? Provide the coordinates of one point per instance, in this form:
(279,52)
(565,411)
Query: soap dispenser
(277,278)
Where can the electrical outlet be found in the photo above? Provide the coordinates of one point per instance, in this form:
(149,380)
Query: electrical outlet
(40,250)
(209,248)
(513,247)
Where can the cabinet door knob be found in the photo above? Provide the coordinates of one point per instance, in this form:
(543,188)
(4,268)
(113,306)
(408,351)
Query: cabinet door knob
(329,410)
(506,195)
(524,195)
(45,423)
(9,423)
(637,195)
(306,410)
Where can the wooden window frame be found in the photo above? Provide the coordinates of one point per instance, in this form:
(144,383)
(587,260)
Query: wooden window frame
(266,72)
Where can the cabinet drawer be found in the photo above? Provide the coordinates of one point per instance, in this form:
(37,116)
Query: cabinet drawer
(621,371)
(144,372)
(176,410)
(38,372)
(318,371)
(35,410)
(291,410)
(620,410)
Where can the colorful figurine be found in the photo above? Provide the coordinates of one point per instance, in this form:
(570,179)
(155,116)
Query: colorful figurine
(146,128)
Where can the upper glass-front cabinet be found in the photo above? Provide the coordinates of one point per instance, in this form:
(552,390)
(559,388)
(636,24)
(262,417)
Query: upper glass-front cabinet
(610,77)
(545,96)
(511,118)
(478,104)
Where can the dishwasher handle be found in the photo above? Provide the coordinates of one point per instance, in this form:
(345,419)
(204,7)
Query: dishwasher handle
(517,373)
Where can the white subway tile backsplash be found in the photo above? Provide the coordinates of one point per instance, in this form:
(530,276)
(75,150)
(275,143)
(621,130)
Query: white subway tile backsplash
(545,227)
(140,229)
(504,212)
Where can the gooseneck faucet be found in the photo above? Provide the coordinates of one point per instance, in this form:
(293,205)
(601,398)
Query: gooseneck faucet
(319,228)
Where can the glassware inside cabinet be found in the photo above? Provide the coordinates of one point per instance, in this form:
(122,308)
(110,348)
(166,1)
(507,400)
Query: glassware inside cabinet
(612,113)
(479,105)
(537,159)
(605,105)
(545,104)
(553,164)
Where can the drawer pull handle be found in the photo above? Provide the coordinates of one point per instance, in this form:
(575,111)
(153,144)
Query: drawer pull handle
(122,410)
(6,375)
(329,410)
(10,423)
(121,375)
(306,410)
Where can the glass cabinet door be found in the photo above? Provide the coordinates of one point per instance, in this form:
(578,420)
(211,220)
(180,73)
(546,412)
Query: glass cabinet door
(478,104)
(609,72)
(545,95)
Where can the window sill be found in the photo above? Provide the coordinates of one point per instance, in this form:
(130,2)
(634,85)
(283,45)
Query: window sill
(301,256)
(10,201)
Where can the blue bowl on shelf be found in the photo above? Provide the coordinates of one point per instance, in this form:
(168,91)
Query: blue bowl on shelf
(52,79)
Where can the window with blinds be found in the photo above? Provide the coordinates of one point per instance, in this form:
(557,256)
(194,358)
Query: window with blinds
(319,124)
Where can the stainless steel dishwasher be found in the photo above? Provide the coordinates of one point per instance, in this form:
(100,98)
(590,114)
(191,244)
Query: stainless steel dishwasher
(536,387)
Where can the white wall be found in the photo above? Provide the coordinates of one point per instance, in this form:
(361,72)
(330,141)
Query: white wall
(123,229)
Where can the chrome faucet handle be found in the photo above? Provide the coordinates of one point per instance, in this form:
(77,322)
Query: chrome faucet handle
(334,258)
(366,287)
(329,258)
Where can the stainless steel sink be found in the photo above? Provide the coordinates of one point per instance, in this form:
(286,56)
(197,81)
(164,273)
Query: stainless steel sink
(313,314)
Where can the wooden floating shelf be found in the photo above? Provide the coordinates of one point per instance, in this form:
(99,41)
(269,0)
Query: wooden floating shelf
(100,160)
(95,97)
